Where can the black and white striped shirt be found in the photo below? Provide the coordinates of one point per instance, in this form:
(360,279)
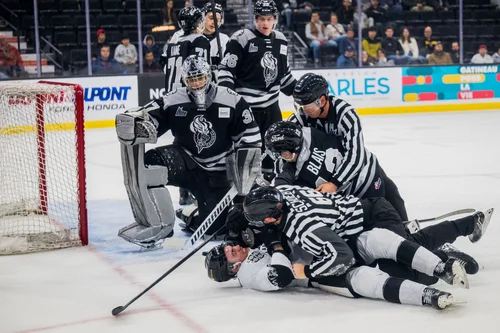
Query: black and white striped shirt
(256,67)
(316,221)
(319,160)
(343,122)
(209,135)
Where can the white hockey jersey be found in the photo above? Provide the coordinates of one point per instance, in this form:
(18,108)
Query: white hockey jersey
(262,272)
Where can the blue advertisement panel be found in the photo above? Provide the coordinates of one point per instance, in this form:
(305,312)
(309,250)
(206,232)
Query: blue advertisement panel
(450,83)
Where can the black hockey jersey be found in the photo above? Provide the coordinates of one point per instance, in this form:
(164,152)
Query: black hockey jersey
(343,122)
(214,47)
(310,217)
(256,67)
(177,51)
(319,160)
(210,135)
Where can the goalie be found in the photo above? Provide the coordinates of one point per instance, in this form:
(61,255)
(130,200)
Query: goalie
(211,126)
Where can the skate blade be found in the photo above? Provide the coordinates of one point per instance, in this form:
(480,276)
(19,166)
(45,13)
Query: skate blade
(445,301)
(459,276)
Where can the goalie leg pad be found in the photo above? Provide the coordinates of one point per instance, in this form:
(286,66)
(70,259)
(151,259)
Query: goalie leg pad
(243,167)
(149,198)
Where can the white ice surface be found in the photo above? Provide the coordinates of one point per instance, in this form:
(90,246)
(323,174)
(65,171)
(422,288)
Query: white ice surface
(441,162)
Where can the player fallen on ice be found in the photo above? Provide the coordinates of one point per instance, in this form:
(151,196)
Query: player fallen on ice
(211,125)
(335,230)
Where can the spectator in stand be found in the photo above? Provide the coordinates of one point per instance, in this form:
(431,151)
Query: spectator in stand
(382,59)
(372,43)
(168,13)
(410,47)
(378,13)
(496,56)
(482,57)
(438,5)
(438,56)
(346,60)
(367,21)
(101,41)
(346,14)
(315,34)
(187,3)
(150,64)
(11,62)
(426,44)
(347,40)
(334,29)
(455,53)
(393,5)
(126,54)
(151,46)
(393,49)
(105,64)
(421,7)
(367,62)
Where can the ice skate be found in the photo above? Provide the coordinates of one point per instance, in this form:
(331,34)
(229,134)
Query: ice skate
(438,299)
(482,219)
(470,264)
(452,272)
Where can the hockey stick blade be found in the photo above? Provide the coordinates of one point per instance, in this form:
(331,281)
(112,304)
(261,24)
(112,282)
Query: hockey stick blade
(119,309)
(456,212)
(214,214)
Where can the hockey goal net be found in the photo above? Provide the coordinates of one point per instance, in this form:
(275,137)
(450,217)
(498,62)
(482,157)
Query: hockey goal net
(42,167)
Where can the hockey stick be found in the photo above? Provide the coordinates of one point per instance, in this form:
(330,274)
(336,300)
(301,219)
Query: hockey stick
(456,212)
(216,26)
(119,309)
(214,214)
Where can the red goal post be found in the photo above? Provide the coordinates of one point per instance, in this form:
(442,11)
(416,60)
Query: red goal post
(42,167)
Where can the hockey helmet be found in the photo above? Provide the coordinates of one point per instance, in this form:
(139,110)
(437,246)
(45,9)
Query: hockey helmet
(265,8)
(207,9)
(284,136)
(197,76)
(190,19)
(218,268)
(309,88)
(261,203)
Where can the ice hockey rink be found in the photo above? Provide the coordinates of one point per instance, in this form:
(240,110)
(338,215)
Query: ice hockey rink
(440,161)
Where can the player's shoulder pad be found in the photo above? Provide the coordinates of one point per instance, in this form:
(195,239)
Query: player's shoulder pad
(176,96)
(227,96)
(279,35)
(243,36)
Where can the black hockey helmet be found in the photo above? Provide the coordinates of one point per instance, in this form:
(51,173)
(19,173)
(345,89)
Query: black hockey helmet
(218,268)
(190,18)
(263,202)
(284,136)
(218,10)
(309,88)
(265,8)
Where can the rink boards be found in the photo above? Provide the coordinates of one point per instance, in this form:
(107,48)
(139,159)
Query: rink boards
(371,90)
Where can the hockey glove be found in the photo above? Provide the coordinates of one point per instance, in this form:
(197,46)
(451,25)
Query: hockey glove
(235,220)
(271,236)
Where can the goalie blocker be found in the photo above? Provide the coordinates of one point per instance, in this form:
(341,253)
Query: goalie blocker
(209,124)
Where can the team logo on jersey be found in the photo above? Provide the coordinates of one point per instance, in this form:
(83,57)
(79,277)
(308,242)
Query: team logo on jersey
(252,48)
(255,256)
(272,275)
(270,65)
(378,183)
(180,112)
(204,135)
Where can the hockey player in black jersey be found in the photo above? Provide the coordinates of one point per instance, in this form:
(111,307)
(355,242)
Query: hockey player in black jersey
(334,116)
(209,124)
(256,66)
(192,42)
(330,227)
(212,35)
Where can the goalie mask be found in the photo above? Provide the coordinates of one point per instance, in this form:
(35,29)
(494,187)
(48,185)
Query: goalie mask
(284,136)
(197,76)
